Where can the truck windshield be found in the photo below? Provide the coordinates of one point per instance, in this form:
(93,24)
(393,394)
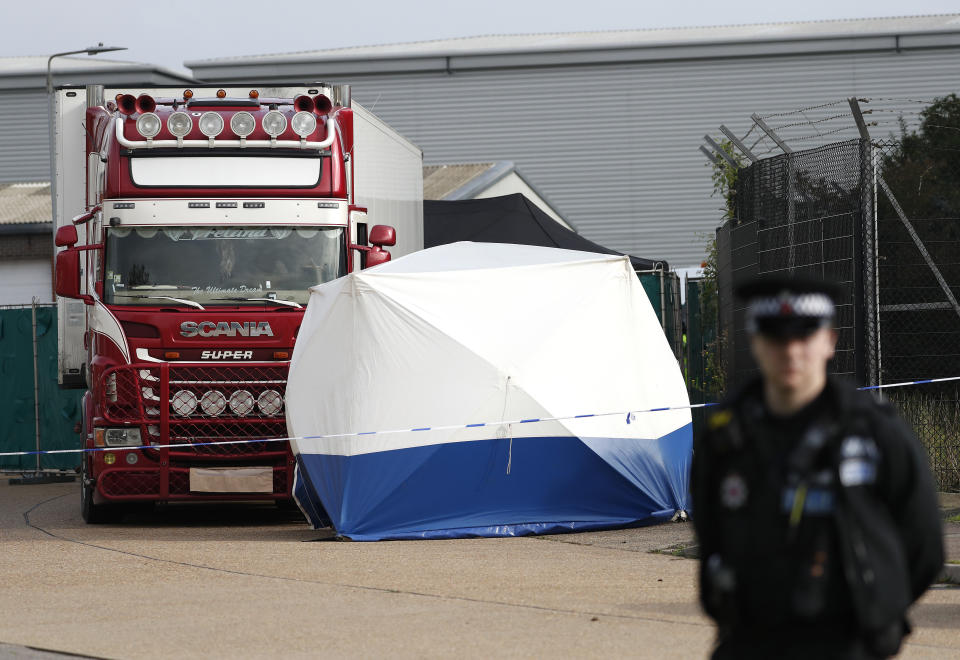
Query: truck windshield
(220,265)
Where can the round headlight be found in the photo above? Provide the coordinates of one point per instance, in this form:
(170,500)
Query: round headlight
(241,402)
(270,402)
(242,124)
(148,125)
(213,403)
(184,402)
(274,123)
(304,123)
(179,124)
(211,124)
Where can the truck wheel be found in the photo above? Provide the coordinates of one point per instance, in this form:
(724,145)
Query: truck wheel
(94,514)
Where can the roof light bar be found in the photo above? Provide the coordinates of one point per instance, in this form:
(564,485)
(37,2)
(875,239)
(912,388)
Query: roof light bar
(274,143)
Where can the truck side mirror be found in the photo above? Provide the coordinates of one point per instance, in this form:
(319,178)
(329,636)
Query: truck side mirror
(67,278)
(377,256)
(382,235)
(66,236)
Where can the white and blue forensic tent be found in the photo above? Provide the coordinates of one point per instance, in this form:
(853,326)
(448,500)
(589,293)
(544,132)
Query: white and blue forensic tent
(427,371)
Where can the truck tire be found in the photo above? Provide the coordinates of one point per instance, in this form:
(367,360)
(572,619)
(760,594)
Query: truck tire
(92,513)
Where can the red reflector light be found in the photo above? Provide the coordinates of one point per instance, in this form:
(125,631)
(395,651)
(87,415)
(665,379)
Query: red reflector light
(171,355)
(281,355)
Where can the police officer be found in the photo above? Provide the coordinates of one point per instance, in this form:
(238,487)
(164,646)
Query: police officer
(814,507)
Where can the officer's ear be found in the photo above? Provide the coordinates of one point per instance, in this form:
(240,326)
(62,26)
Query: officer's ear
(834,336)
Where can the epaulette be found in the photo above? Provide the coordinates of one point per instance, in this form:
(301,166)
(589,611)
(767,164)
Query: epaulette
(719,419)
(723,430)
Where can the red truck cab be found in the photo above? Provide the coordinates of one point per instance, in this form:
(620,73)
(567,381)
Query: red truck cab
(209,214)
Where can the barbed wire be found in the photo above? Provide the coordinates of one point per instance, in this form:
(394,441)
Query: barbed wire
(833,132)
(951,128)
(883,119)
(801,110)
(812,122)
(898,100)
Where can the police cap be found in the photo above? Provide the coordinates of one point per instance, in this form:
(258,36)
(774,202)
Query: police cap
(784,307)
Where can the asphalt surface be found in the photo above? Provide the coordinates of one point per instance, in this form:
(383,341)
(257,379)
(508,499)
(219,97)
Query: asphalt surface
(250,581)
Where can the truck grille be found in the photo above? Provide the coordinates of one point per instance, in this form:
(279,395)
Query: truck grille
(201,404)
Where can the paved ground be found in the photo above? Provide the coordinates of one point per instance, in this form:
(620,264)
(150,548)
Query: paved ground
(249,581)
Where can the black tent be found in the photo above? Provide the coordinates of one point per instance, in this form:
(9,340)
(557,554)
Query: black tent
(507,219)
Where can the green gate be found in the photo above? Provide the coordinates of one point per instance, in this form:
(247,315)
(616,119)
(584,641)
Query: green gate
(51,422)
(663,290)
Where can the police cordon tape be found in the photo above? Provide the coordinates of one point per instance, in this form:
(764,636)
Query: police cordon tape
(450,427)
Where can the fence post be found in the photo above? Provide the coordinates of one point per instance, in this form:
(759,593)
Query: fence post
(791,214)
(769,131)
(663,306)
(738,143)
(723,154)
(36,380)
(874,196)
(709,154)
(871,299)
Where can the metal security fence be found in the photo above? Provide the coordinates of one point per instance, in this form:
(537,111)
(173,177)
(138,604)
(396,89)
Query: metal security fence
(918,262)
(933,412)
(700,343)
(918,281)
(882,220)
(801,214)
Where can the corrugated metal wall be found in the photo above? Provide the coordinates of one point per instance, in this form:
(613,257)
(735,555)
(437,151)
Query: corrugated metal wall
(23,136)
(614,147)
(24,152)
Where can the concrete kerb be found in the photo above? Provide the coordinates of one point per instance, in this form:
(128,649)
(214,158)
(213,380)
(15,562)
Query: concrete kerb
(950,574)
(950,509)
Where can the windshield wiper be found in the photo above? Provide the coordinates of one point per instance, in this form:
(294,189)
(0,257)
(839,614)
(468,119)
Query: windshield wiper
(288,303)
(190,303)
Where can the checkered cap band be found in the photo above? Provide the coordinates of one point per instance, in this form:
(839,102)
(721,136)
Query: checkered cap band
(815,305)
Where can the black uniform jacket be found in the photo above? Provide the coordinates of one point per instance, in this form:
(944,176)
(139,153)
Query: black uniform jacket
(846,531)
